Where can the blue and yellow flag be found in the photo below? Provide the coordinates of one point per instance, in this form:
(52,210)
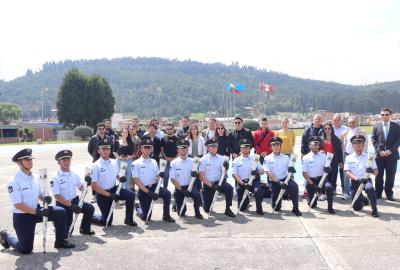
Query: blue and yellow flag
(235,88)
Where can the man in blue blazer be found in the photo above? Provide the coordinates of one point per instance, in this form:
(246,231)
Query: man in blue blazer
(386,140)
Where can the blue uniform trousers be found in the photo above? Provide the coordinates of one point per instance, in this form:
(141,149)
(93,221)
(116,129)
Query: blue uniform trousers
(87,211)
(145,200)
(311,189)
(208,195)
(195,195)
(24,225)
(258,194)
(369,189)
(104,204)
(293,189)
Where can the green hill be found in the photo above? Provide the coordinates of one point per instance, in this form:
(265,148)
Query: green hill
(155,86)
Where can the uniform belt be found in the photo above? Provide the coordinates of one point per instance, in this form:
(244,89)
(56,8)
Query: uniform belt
(149,186)
(316,178)
(109,190)
(245,180)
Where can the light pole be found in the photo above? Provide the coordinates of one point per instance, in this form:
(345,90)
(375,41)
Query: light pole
(41,97)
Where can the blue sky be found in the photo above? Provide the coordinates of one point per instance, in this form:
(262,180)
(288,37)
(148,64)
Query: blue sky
(356,42)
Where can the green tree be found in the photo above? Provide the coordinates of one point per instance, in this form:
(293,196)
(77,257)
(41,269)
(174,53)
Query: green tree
(84,99)
(9,111)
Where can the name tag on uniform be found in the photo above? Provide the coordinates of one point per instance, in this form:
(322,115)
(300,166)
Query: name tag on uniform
(102,170)
(25,188)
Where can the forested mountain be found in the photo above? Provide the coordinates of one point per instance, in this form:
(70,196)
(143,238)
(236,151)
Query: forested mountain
(155,86)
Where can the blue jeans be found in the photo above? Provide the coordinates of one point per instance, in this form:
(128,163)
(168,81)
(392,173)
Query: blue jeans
(128,173)
(346,180)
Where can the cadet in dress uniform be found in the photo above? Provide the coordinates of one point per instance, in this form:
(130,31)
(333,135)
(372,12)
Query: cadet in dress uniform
(64,184)
(24,190)
(277,167)
(242,170)
(313,169)
(181,174)
(355,167)
(145,175)
(210,170)
(104,174)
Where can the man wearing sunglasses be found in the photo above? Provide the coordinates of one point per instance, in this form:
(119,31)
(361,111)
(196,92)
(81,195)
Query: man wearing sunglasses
(238,134)
(386,140)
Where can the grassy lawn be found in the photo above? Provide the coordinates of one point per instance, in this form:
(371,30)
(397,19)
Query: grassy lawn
(46,142)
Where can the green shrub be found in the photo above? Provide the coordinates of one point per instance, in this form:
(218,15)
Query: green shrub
(83,132)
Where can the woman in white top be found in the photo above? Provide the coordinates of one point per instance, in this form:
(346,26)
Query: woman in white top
(197,143)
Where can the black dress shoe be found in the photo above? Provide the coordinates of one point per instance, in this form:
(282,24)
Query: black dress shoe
(260,212)
(174,208)
(390,198)
(130,223)
(297,212)
(3,241)
(199,216)
(91,232)
(168,219)
(375,213)
(229,212)
(63,244)
(331,211)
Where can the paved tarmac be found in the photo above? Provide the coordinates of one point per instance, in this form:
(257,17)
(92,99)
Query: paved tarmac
(317,240)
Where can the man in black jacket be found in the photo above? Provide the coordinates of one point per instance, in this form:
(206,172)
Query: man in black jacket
(316,129)
(238,134)
(386,140)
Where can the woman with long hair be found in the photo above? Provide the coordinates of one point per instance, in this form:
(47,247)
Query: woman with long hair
(197,146)
(288,137)
(123,151)
(332,144)
(223,141)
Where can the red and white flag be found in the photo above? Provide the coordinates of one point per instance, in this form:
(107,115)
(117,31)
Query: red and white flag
(265,87)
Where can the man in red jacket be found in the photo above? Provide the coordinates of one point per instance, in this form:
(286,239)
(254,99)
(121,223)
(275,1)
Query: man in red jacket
(261,139)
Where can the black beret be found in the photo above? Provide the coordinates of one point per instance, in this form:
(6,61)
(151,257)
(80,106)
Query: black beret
(211,142)
(314,139)
(105,143)
(244,143)
(63,154)
(357,138)
(182,143)
(23,154)
(275,140)
(146,142)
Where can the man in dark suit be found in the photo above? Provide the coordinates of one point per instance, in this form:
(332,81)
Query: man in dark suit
(386,140)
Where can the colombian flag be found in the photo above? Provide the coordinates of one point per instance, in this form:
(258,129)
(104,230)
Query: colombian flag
(235,88)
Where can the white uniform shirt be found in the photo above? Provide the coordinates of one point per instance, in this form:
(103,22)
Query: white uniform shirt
(314,164)
(277,164)
(65,184)
(105,173)
(181,170)
(25,189)
(242,166)
(212,166)
(146,170)
(357,164)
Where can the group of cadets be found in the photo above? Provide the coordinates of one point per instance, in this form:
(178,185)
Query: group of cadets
(26,190)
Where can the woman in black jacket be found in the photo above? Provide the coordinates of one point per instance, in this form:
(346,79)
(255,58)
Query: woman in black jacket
(332,144)
(223,140)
